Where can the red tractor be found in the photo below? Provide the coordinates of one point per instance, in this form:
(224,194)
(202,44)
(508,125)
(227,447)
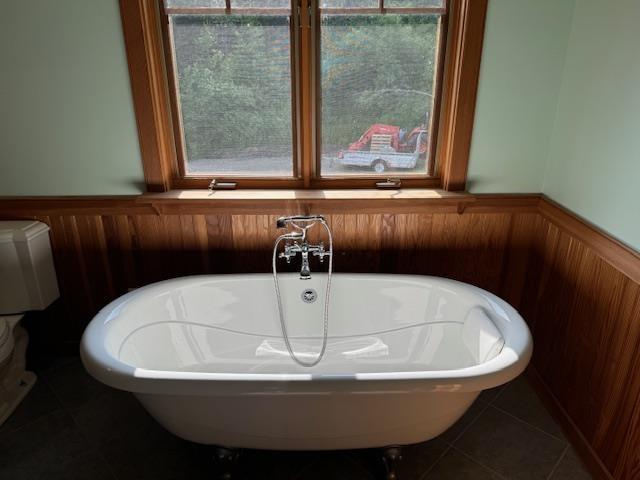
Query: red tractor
(400,143)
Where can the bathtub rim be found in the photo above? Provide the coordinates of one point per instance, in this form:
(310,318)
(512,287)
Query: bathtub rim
(103,366)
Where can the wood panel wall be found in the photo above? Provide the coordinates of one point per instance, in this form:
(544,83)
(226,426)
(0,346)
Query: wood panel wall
(101,256)
(578,289)
(582,302)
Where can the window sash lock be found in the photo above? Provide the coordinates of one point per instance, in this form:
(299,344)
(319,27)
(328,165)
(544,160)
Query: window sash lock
(216,185)
(390,183)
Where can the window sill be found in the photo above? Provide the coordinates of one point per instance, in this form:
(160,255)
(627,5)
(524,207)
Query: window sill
(279,201)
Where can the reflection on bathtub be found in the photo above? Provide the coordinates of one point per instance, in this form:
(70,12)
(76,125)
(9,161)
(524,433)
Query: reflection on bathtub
(365,347)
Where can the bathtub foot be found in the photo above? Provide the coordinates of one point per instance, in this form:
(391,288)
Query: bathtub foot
(391,457)
(226,460)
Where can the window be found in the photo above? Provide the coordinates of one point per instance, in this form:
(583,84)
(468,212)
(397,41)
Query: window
(304,93)
(378,78)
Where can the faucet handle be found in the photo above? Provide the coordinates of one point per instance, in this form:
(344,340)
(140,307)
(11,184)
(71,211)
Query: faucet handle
(286,255)
(320,252)
(288,252)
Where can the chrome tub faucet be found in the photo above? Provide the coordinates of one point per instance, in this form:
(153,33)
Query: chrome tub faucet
(296,241)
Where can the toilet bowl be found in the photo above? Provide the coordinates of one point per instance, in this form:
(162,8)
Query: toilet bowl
(27,282)
(15,381)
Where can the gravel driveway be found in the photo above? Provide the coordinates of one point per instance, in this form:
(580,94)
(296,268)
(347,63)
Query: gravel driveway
(272,165)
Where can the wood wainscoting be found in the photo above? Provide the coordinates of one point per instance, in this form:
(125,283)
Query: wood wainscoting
(578,289)
(582,303)
(105,246)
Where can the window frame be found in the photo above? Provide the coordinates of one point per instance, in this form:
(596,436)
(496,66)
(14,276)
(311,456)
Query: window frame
(151,69)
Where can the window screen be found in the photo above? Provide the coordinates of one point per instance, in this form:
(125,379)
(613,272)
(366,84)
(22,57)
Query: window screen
(233,81)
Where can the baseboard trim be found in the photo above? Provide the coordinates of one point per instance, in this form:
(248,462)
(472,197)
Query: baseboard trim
(571,430)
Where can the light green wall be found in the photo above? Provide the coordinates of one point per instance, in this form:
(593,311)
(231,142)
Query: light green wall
(67,125)
(520,76)
(68,128)
(594,160)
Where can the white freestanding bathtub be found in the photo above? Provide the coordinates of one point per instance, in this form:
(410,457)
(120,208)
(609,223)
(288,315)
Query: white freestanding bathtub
(406,357)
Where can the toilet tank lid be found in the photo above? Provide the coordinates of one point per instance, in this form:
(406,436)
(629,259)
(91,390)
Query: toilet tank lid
(21,230)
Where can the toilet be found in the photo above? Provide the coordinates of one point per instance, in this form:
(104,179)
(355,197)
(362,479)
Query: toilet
(27,282)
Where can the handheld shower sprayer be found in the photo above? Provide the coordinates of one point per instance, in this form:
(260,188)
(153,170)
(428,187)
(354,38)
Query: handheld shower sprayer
(282,222)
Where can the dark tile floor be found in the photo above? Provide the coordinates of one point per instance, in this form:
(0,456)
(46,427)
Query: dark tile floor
(72,427)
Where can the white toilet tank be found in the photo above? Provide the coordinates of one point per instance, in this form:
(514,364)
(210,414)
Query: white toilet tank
(27,274)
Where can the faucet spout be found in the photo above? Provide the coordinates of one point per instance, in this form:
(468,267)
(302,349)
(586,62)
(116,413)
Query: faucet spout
(305,271)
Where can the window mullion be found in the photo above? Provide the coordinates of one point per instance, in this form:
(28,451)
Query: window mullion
(316,99)
(306,73)
(294,22)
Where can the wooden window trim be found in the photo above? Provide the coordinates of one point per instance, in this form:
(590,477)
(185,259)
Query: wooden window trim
(158,128)
(462,70)
(143,42)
